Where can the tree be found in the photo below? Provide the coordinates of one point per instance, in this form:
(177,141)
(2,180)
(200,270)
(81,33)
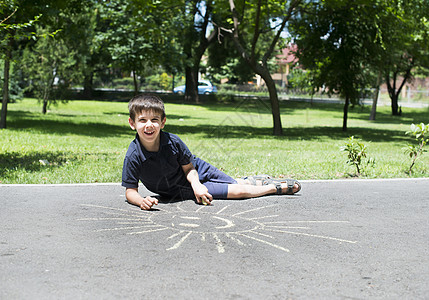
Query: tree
(85,34)
(130,50)
(180,28)
(52,64)
(224,62)
(20,17)
(256,28)
(11,28)
(197,15)
(8,47)
(50,61)
(128,39)
(336,40)
(405,35)
(140,34)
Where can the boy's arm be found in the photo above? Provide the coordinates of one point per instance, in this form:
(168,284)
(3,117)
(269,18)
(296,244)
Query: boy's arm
(201,193)
(134,197)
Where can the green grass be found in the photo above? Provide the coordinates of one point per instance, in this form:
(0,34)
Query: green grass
(85,141)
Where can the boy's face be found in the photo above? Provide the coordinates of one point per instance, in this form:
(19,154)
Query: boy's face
(148,125)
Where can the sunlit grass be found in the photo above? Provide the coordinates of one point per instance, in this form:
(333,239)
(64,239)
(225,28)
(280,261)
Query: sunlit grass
(85,141)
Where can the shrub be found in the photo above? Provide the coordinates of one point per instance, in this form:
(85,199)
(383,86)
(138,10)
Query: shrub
(357,154)
(419,132)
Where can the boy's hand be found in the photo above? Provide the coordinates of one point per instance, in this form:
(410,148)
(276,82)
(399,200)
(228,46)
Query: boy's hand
(200,191)
(202,194)
(133,197)
(148,202)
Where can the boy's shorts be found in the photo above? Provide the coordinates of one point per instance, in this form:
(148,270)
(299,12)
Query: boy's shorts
(215,180)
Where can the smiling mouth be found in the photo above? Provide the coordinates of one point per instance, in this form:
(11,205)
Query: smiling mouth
(149,132)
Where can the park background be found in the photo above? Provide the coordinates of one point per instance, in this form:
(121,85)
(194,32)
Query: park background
(296,79)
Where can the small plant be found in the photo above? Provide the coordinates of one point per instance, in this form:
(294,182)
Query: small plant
(420,133)
(357,155)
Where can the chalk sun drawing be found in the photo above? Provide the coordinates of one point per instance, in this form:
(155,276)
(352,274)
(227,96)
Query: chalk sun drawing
(218,225)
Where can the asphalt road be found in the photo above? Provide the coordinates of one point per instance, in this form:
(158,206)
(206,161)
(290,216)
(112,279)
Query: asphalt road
(355,239)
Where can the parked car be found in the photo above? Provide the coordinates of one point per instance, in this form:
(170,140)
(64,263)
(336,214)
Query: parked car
(204,87)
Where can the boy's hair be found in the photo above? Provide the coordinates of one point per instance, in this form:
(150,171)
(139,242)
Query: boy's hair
(146,102)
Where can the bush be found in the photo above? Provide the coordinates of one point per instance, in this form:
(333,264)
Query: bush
(419,132)
(123,83)
(356,155)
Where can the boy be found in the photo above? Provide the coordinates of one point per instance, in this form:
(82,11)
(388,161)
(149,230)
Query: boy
(164,164)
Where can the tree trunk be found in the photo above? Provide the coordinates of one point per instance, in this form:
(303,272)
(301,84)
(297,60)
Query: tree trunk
(275,106)
(394,93)
(47,94)
(191,92)
(346,110)
(261,67)
(136,85)
(5,100)
(88,85)
(194,48)
(45,106)
(375,100)
(172,82)
(395,105)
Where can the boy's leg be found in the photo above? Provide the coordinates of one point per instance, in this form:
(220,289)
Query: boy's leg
(209,173)
(222,186)
(241,191)
(248,181)
(243,181)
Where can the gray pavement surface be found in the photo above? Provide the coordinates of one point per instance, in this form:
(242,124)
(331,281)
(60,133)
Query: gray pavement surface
(351,239)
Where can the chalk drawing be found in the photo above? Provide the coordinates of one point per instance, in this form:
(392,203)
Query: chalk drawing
(210,224)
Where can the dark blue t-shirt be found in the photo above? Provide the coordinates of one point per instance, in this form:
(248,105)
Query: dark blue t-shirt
(161,172)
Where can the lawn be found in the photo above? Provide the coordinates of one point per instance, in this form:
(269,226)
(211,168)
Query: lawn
(85,141)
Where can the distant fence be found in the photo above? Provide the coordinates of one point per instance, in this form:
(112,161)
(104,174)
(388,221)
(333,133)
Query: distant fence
(408,97)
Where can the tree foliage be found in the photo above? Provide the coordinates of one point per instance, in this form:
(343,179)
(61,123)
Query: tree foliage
(343,44)
(256,28)
(346,44)
(197,16)
(49,61)
(84,35)
(12,28)
(404,33)
(336,41)
(18,21)
(142,34)
(225,63)
(52,64)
